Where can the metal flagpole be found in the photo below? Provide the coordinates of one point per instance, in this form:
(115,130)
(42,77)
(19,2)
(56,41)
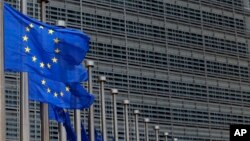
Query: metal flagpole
(136,112)
(77,123)
(62,131)
(126,102)
(43,106)
(157,128)
(24,98)
(166,136)
(90,64)
(114,92)
(2,79)
(146,120)
(102,79)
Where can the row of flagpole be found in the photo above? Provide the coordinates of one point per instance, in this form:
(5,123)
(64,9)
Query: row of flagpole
(24,115)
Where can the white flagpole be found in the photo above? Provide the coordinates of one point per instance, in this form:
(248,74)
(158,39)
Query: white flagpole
(157,128)
(24,96)
(61,129)
(2,79)
(102,79)
(166,136)
(62,132)
(114,92)
(136,113)
(90,64)
(44,106)
(146,120)
(126,102)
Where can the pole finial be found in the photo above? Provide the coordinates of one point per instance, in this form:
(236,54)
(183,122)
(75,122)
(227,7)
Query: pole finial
(114,91)
(89,63)
(102,78)
(157,127)
(60,23)
(136,111)
(125,102)
(146,120)
(165,133)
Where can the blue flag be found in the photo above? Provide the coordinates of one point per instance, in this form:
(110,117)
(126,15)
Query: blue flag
(71,135)
(59,115)
(84,134)
(56,113)
(98,136)
(32,46)
(64,95)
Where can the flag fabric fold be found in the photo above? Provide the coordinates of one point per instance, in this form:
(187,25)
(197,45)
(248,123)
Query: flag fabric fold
(32,46)
(56,113)
(64,95)
(98,136)
(59,115)
(84,134)
(71,135)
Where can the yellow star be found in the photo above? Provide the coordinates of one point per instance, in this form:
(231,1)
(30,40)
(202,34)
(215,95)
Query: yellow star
(62,94)
(54,60)
(48,90)
(55,94)
(43,82)
(34,58)
(41,27)
(51,31)
(57,50)
(27,49)
(25,38)
(67,88)
(31,25)
(48,65)
(56,40)
(42,65)
(27,29)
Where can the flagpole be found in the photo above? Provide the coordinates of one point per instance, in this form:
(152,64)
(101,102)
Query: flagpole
(44,106)
(62,131)
(24,97)
(166,136)
(157,128)
(136,112)
(2,79)
(77,123)
(90,64)
(114,92)
(126,102)
(102,79)
(146,121)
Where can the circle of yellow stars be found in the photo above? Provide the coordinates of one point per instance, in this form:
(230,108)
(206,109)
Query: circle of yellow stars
(53,92)
(43,65)
(28,50)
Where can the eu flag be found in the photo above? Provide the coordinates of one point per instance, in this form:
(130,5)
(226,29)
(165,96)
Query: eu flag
(71,135)
(98,136)
(84,134)
(32,46)
(64,95)
(58,114)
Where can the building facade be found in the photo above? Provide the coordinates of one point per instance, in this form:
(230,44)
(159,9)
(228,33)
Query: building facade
(183,63)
